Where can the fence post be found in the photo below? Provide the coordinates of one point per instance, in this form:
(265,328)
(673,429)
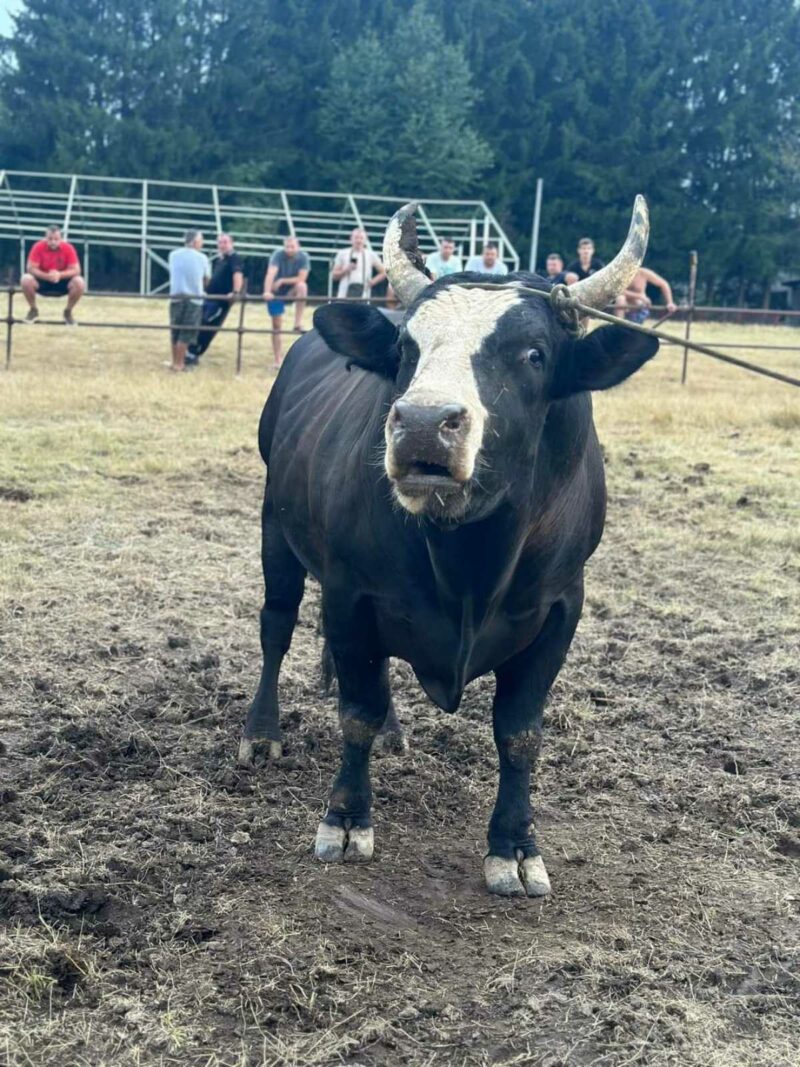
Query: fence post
(690,312)
(240,330)
(9,325)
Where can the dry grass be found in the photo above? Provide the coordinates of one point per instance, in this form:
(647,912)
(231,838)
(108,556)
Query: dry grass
(160,907)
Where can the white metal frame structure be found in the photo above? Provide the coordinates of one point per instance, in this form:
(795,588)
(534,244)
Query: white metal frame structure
(151,217)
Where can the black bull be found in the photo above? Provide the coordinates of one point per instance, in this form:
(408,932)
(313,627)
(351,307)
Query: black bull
(485,575)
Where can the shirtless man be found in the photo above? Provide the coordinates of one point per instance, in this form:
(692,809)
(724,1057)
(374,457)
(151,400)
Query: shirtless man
(634,304)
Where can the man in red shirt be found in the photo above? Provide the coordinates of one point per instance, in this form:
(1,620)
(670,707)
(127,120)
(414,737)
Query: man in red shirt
(53,270)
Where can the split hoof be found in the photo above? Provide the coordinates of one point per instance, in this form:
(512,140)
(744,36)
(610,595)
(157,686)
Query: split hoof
(330,843)
(254,750)
(334,844)
(360,845)
(535,877)
(502,877)
(516,878)
(392,743)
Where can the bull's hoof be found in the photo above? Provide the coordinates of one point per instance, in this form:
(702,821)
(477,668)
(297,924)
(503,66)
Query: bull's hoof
(334,844)
(253,750)
(392,743)
(516,878)
(535,877)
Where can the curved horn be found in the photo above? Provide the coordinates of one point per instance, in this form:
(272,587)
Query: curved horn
(600,288)
(402,258)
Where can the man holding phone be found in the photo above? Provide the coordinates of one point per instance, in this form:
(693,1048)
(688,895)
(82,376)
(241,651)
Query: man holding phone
(353,268)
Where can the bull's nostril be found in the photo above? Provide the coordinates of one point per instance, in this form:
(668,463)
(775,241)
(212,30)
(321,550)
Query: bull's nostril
(400,411)
(426,420)
(452,417)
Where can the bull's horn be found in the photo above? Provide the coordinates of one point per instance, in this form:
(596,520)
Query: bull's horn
(601,288)
(405,267)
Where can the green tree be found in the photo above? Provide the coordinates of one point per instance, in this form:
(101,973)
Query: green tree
(395,117)
(693,104)
(108,87)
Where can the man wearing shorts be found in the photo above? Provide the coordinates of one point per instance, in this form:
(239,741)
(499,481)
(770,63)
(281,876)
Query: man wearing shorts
(285,282)
(189,270)
(634,304)
(53,270)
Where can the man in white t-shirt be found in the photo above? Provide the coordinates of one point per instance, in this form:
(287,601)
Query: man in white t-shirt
(489,262)
(353,268)
(189,271)
(444,262)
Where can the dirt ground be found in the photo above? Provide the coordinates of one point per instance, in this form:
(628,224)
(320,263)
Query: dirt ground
(160,906)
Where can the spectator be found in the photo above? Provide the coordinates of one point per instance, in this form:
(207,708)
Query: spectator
(53,269)
(284,282)
(189,271)
(554,265)
(353,268)
(444,262)
(489,262)
(635,304)
(587,262)
(227,279)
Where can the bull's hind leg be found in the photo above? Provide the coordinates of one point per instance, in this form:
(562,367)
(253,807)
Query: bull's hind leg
(513,866)
(284,580)
(364,699)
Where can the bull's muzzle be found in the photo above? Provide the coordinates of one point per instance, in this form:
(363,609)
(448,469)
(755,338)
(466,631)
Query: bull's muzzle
(426,447)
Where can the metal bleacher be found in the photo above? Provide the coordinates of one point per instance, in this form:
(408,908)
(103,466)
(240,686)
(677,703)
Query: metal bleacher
(150,217)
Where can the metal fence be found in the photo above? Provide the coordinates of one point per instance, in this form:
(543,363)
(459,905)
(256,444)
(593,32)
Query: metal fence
(689,314)
(240,329)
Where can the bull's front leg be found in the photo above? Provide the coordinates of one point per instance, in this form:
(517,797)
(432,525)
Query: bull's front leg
(513,866)
(364,698)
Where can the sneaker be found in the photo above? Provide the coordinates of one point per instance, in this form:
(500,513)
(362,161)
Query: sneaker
(32,315)
(68,319)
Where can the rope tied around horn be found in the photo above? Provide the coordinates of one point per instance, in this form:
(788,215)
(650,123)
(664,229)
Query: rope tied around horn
(571,312)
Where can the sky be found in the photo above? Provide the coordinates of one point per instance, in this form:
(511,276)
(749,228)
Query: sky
(7,8)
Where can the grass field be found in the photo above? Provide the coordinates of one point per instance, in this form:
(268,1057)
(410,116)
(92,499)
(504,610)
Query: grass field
(161,906)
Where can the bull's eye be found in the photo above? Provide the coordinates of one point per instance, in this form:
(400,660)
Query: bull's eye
(535,357)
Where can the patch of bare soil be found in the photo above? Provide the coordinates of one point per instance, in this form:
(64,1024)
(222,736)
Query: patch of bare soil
(161,906)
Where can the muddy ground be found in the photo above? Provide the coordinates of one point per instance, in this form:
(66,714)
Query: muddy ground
(161,906)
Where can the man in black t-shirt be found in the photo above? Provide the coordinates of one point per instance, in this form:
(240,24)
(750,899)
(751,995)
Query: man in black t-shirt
(587,262)
(227,279)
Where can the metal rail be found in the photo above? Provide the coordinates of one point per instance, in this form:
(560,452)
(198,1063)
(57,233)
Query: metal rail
(241,329)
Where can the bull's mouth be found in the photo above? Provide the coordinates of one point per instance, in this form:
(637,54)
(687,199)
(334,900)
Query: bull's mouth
(422,477)
(431,489)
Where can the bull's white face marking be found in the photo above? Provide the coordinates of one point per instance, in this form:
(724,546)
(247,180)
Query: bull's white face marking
(449,331)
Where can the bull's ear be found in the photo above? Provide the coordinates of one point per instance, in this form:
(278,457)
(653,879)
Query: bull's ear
(361,334)
(605,358)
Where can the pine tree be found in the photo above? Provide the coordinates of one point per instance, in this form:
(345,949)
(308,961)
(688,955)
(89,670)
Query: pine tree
(693,104)
(107,87)
(396,115)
